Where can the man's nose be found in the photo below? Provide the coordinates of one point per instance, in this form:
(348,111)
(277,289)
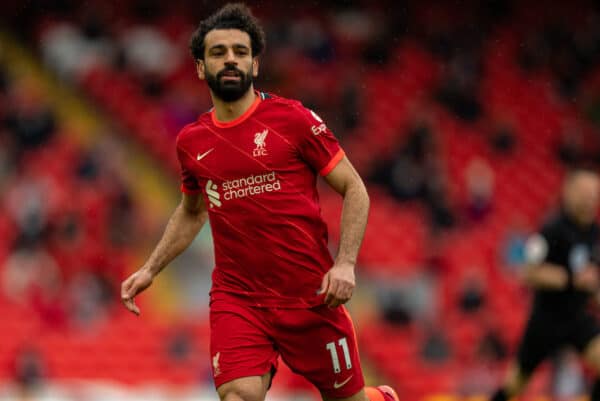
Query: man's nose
(230,57)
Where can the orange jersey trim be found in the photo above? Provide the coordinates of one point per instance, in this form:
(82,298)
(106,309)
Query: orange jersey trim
(238,120)
(332,163)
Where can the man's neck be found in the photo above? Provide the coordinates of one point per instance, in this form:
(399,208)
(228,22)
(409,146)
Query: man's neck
(575,219)
(229,111)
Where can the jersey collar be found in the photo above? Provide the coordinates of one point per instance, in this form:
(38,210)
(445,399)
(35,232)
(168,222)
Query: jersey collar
(240,119)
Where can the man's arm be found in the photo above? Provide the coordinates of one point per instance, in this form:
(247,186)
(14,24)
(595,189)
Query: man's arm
(546,276)
(553,277)
(539,273)
(183,226)
(339,282)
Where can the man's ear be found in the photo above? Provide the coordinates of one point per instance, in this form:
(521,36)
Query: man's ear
(200,69)
(255,65)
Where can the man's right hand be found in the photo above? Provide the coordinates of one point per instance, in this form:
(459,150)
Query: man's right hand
(587,279)
(136,283)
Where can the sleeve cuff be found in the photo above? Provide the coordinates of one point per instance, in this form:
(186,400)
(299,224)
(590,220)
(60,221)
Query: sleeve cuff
(332,163)
(188,191)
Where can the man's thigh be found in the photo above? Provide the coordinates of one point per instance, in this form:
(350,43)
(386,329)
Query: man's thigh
(320,344)
(541,338)
(583,331)
(585,336)
(239,345)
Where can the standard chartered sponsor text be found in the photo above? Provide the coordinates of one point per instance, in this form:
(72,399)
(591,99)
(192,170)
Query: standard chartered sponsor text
(251,185)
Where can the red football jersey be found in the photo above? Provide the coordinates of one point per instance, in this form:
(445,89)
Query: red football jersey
(258,177)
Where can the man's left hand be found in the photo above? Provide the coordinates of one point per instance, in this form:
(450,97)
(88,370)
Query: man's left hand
(338,284)
(587,279)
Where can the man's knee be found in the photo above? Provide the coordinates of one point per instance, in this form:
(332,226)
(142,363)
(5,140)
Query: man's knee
(236,394)
(516,380)
(245,389)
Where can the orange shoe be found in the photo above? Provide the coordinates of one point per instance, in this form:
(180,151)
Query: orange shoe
(389,393)
(381,393)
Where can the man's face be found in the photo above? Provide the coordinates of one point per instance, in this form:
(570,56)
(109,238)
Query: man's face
(228,66)
(582,196)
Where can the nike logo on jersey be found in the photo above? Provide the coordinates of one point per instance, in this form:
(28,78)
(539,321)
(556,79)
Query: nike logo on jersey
(337,385)
(203,155)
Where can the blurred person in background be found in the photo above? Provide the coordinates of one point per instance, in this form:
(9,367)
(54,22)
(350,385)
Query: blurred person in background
(563,270)
(250,165)
(29,370)
(479,180)
(471,298)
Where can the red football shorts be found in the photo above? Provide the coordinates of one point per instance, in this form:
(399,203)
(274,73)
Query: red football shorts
(317,343)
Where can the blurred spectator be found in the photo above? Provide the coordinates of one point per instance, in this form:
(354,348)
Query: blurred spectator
(479,178)
(410,299)
(458,93)
(407,174)
(29,268)
(27,202)
(179,346)
(569,50)
(460,47)
(8,153)
(570,147)
(394,309)
(65,240)
(492,347)
(415,173)
(29,369)
(350,108)
(89,295)
(482,370)
(437,200)
(29,118)
(149,52)
(473,292)
(309,35)
(4,83)
(479,377)
(435,347)
(181,106)
(503,139)
(121,222)
(71,51)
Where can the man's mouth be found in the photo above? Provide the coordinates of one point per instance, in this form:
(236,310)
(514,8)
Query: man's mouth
(230,75)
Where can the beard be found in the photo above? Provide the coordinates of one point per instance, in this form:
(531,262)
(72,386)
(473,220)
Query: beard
(229,90)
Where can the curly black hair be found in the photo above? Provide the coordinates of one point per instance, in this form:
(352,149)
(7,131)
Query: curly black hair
(230,16)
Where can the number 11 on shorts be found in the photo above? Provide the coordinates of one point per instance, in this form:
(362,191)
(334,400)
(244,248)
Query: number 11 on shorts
(343,343)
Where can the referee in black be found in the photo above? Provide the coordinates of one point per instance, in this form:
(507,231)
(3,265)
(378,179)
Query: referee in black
(562,268)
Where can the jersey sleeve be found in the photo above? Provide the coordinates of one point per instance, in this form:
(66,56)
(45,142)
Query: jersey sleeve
(317,144)
(189,183)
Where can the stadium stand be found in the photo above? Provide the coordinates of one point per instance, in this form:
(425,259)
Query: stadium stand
(464,121)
